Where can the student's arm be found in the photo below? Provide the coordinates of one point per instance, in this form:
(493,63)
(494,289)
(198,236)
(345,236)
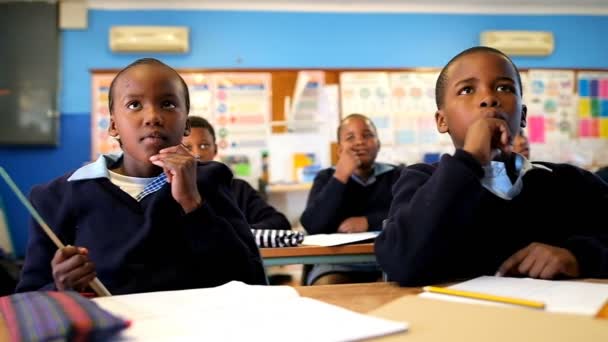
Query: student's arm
(322,213)
(424,240)
(259,214)
(50,201)
(219,237)
(585,253)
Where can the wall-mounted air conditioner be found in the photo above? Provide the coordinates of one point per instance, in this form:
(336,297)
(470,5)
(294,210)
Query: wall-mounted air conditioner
(149,39)
(519,43)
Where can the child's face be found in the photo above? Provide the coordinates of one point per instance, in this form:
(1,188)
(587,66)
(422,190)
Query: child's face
(480,84)
(149,111)
(358,136)
(200,143)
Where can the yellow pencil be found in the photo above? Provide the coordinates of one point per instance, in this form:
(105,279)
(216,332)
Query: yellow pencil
(484,296)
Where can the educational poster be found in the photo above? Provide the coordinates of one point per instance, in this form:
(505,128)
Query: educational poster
(368,93)
(242,111)
(329,111)
(101,141)
(305,112)
(551,106)
(201,94)
(413,107)
(593,105)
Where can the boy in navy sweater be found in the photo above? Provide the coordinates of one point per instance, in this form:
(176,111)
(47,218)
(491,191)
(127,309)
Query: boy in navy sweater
(150,219)
(485,210)
(352,197)
(259,215)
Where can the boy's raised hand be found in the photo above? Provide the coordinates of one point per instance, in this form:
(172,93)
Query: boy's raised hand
(180,167)
(486,137)
(72,268)
(347,163)
(539,260)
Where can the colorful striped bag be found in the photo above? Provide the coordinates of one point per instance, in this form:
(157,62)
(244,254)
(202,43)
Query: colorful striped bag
(55,316)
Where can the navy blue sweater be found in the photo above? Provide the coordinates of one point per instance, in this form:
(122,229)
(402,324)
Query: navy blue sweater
(258,213)
(444,225)
(330,202)
(144,246)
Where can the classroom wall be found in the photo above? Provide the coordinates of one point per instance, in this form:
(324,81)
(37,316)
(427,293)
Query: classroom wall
(233,39)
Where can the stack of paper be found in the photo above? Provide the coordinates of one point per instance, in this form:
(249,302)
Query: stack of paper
(337,239)
(559,296)
(240,312)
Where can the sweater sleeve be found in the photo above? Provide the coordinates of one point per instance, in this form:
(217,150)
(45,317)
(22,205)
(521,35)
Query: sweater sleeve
(259,214)
(49,202)
(322,207)
(219,229)
(424,239)
(590,243)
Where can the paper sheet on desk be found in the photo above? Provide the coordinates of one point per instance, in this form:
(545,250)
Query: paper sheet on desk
(240,312)
(337,239)
(574,297)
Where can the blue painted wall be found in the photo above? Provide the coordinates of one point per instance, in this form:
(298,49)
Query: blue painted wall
(222,39)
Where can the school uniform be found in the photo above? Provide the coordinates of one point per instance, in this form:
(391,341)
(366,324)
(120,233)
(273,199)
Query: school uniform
(330,202)
(258,213)
(455,220)
(144,244)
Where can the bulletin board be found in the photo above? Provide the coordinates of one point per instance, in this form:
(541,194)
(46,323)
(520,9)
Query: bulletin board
(567,113)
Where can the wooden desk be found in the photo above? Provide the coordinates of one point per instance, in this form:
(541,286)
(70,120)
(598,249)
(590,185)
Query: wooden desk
(366,297)
(346,254)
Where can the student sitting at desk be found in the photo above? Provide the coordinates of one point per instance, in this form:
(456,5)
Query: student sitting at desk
(150,219)
(485,210)
(259,214)
(352,197)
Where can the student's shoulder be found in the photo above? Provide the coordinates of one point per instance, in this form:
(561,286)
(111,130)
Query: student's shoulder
(326,173)
(569,173)
(213,171)
(55,187)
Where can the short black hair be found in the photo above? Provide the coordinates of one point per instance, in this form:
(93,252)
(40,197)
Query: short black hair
(148,61)
(352,116)
(442,80)
(200,122)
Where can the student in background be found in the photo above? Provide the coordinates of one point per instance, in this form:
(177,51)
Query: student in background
(485,210)
(260,215)
(521,144)
(150,219)
(354,196)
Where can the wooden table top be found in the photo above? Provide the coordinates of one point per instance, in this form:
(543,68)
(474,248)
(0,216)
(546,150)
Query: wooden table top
(361,248)
(369,296)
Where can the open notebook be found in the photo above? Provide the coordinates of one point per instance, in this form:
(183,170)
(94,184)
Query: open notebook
(561,296)
(240,312)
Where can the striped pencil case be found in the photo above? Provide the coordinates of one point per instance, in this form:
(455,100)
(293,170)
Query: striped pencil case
(266,238)
(55,316)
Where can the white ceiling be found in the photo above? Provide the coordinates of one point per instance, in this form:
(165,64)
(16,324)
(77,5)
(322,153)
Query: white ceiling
(547,7)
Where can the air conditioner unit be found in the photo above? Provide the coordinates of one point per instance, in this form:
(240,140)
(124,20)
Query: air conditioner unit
(519,43)
(149,39)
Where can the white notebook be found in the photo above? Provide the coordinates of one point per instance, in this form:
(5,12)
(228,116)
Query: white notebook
(562,296)
(240,312)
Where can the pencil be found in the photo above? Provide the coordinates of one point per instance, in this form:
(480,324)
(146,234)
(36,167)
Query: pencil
(95,284)
(485,296)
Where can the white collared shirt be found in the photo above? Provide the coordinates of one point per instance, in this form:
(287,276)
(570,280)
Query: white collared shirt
(497,181)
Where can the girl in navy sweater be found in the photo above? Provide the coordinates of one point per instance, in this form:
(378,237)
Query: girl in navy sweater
(150,219)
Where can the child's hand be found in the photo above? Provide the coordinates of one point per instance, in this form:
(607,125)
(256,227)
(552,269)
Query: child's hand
(538,260)
(180,167)
(72,268)
(354,225)
(347,164)
(486,137)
